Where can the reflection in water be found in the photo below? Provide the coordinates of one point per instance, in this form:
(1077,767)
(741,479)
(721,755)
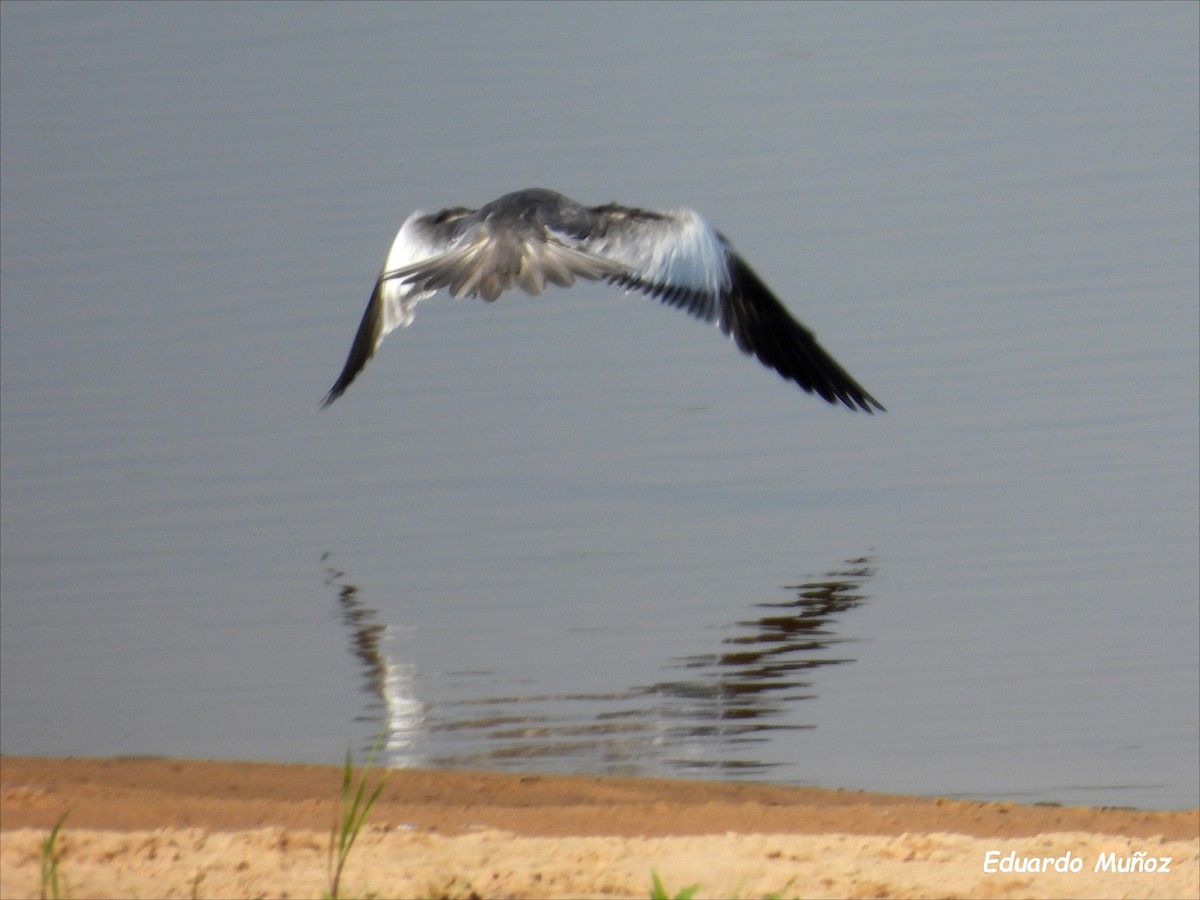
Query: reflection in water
(717,712)
(388,682)
(750,687)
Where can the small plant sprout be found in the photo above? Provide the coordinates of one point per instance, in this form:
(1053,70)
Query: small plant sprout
(52,885)
(356,805)
(658,892)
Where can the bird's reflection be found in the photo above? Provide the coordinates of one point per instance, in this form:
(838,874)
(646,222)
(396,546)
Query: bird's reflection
(717,711)
(388,681)
(751,685)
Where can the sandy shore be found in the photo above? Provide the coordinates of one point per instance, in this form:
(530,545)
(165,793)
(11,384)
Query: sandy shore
(155,827)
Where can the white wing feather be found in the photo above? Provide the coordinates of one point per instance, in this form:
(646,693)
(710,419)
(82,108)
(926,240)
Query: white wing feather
(413,244)
(668,249)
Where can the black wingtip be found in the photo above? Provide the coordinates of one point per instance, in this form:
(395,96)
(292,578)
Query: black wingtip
(866,403)
(333,394)
(761,325)
(353,366)
(362,349)
(843,388)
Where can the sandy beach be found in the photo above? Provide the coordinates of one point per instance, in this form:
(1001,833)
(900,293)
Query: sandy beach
(182,828)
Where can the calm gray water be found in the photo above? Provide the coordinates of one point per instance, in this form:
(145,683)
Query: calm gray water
(581,532)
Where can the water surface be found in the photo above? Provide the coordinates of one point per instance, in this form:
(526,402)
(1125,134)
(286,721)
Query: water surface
(581,532)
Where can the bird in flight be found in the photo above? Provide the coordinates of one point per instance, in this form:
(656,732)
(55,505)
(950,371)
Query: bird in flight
(530,238)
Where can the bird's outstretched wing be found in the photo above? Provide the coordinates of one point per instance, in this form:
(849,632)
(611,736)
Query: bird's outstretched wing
(680,259)
(391,305)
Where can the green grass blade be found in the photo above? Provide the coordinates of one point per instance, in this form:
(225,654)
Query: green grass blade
(356,806)
(659,892)
(51,882)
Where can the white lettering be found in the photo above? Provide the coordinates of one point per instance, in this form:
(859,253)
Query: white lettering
(1139,862)
(1011,863)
